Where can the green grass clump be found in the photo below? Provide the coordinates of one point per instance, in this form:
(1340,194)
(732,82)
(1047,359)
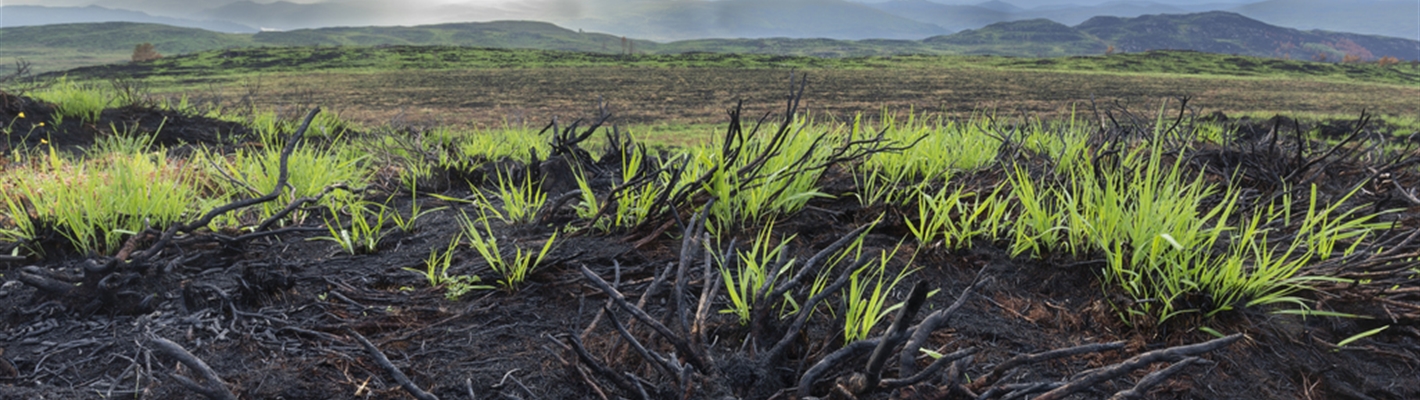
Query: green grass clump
(1176,244)
(520,199)
(97,202)
(514,268)
(74,100)
(755,272)
(780,184)
(954,218)
(865,298)
(938,148)
(361,231)
(436,272)
(314,170)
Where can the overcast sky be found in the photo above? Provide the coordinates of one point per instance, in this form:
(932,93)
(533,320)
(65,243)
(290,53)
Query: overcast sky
(504,3)
(430,12)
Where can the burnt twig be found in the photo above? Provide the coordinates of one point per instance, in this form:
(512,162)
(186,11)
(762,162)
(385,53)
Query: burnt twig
(1153,379)
(389,367)
(215,389)
(1093,377)
(1024,359)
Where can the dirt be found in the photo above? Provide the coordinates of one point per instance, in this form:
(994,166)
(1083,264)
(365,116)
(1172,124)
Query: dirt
(274,316)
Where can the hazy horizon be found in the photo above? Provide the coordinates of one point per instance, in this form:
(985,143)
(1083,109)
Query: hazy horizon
(670,20)
(439,11)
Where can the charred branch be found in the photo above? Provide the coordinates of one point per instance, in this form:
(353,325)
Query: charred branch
(1026,359)
(680,344)
(1093,377)
(384,363)
(1154,379)
(214,388)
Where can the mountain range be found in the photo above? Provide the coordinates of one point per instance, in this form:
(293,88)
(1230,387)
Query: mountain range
(671,20)
(54,47)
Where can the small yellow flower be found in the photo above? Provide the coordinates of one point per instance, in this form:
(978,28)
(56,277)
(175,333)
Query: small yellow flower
(44,141)
(41,124)
(22,114)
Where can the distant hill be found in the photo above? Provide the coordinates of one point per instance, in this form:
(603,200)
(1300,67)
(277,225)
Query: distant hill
(1229,33)
(16,16)
(950,17)
(1076,15)
(54,47)
(64,46)
(1000,6)
(1037,36)
(500,34)
(959,17)
(1395,18)
(698,19)
(286,15)
(111,36)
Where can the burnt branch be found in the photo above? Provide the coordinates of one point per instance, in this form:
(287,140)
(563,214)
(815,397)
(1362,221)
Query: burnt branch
(389,367)
(680,344)
(1154,379)
(915,299)
(694,234)
(283,174)
(1026,359)
(933,321)
(930,371)
(792,331)
(596,366)
(214,389)
(1093,377)
(812,265)
(665,365)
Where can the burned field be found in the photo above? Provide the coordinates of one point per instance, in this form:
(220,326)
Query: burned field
(1118,256)
(657,95)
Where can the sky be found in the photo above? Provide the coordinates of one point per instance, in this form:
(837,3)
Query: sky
(438,11)
(199,4)
(618,16)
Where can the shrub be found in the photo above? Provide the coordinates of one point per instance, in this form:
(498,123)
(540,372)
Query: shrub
(145,52)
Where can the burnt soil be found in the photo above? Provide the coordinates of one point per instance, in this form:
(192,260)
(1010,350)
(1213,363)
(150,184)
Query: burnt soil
(270,315)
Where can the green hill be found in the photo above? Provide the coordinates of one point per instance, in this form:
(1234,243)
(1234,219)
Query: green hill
(1037,37)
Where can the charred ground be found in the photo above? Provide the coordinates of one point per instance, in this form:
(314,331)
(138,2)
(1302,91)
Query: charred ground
(275,315)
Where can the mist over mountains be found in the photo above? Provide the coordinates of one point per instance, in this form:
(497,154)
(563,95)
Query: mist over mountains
(669,20)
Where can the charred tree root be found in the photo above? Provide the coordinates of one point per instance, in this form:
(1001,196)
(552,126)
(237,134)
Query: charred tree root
(389,367)
(214,389)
